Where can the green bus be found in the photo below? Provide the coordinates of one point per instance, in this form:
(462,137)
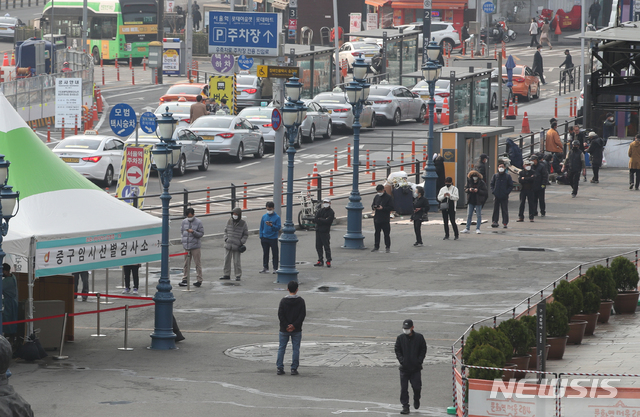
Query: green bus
(115,27)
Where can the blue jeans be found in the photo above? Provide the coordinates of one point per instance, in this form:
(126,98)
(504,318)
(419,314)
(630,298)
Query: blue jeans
(296,337)
(478,209)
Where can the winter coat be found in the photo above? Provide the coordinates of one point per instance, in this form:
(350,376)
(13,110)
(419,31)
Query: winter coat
(482,167)
(574,161)
(634,155)
(270,232)
(453,196)
(420,203)
(553,142)
(533,28)
(608,128)
(501,185)
(596,148)
(537,67)
(567,63)
(383,215)
(439,164)
(324,218)
(411,351)
(527,179)
(191,240)
(292,310)
(594,10)
(515,153)
(236,232)
(542,177)
(480,197)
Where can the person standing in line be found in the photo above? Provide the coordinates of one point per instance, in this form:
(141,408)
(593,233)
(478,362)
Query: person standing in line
(420,208)
(573,165)
(477,193)
(501,186)
(540,185)
(382,207)
(411,349)
(324,219)
(537,68)
(291,314)
(544,33)
(634,163)
(236,234)
(533,31)
(448,196)
(85,283)
(191,231)
(526,177)
(482,167)
(594,13)
(596,149)
(128,271)
(9,301)
(223,106)
(608,127)
(269,231)
(553,144)
(438,163)
(567,64)
(198,109)
(578,135)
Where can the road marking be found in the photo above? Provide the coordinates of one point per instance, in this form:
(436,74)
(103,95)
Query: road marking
(192,179)
(340,138)
(247,165)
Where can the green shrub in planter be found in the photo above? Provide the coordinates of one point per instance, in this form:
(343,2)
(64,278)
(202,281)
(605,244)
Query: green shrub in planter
(519,335)
(625,274)
(570,296)
(557,320)
(486,355)
(532,324)
(603,278)
(591,295)
(487,336)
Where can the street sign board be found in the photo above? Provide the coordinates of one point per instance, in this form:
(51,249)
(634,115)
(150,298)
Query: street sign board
(276,119)
(134,172)
(488,7)
(245,62)
(355,22)
(222,63)
(268,71)
(122,119)
(245,33)
(148,122)
(68,101)
(220,87)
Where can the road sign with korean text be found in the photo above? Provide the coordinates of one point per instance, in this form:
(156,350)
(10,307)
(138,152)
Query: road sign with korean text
(242,33)
(268,71)
(134,172)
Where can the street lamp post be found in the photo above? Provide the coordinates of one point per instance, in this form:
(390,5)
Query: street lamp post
(431,72)
(357,95)
(293,113)
(8,200)
(165,155)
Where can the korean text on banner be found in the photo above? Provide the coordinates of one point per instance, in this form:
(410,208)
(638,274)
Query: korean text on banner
(68,101)
(134,173)
(355,22)
(372,21)
(222,87)
(241,33)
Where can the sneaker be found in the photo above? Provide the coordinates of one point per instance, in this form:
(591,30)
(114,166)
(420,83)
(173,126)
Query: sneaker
(238,279)
(465,231)
(494,224)
(135,291)
(387,250)
(418,245)
(631,186)
(456,238)
(416,404)
(126,291)
(504,226)
(319,263)
(405,410)
(225,277)
(585,179)
(478,231)
(280,371)
(520,220)
(594,181)
(294,372)
(197,284)
(445,238)
(264,271)
(531,220)
(183,283)
(573,195)
(375,250)
(543,214)
(275,271)
(328,264)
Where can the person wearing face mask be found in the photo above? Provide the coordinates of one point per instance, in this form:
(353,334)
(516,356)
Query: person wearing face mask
(420,208)
(382,207)
(269,232)
(501,186)
(526,177)
(324,219)
(191,231)
(477,193)
(539,185)
(596,148)
(411,349)
(573,165)
(449,194)
(236,234)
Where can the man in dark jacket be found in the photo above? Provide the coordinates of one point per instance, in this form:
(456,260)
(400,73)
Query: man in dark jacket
(482,166)
(411,349)
(501,186)
(573,165)
(537,67)
(540,185)
(594,12)
(577,134)
(526,177)
(291,313)
(596,148)
(420,208)
(382,206)
(324,219)
(567,64)
(477,193)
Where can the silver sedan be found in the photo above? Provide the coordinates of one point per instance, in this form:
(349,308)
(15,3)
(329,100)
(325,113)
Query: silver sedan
(249,88)
(95,157)
(230,135)
(318,121)
(8,26)
(395,103)
(440,92)
(261,117)
(341,112)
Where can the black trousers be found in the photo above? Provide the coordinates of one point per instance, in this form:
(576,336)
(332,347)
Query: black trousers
(596,171)
(384,227)
(322,242)
(449,215)
(128,270)
(574,180)
(498,206)
(266,245)
(594,21)
(534,40)
(85,283)
(540,201)
(635,172)
(417,228)
(415,378)
(555,162)
(527,195)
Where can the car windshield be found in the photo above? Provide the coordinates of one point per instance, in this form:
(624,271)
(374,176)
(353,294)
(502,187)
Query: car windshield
(516,71)
(245,79)
(262,113)
(175,107)
(213,122)
(378,91)
(330,98)
(363,46)
(184,89)
(79,144)
(442,84)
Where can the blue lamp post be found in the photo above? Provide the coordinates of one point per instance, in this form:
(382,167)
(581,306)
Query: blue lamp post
(357,95)
(8,200)
(431,72)
(165,155)
(293,114)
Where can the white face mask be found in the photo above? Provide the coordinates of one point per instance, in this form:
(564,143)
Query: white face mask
(475,178)
(325,205)
(269,211)
(528,168)
(380,194)
(235,216)
(501,170)
(190,218)
(406,331)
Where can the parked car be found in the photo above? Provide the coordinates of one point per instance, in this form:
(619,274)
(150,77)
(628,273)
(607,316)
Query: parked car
(442,32)
(8,27)
(187,90)
(341,113)
(249,89)
(180,110)
(96,157)
(261,117)
(194,152)
(525,84)
(318,121)
(351,50)
(394,103)
(495,84)
(440,92)
(230,135)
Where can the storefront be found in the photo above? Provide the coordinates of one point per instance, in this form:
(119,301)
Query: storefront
(401,12)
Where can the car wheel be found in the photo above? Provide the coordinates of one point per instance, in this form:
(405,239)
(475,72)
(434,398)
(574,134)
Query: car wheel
(528,96)
(423,113)
(182,166)
(537,92)
(296,144)
(312,134)
(108,176)
(506,38)
(96,56)
(494,102)
(240,154)
(260,153)
(374,121)
(205,162)
(396,117)
(328,134)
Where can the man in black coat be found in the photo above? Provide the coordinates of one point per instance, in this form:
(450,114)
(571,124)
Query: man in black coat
(501,186)
(482,166)
(594,13)
(537,67)
(596,148)
(567,64)
(324,219)
(527,177)
(291,314)
(540,185)
(382,206)
(411,349)
(573,165)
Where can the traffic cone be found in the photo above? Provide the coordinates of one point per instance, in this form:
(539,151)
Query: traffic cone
(5,62)
(95,114)
(314,181)
(558,31)
(511,115)
(13,59)
(525,124)
(99,99)
(444,116)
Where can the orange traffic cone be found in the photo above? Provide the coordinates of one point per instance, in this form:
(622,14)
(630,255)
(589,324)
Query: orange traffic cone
(558,31)
(5,62)
(95,114)
(314,181)
(99,99)
(525,124)
(13,59)
(511,115)
(444,116)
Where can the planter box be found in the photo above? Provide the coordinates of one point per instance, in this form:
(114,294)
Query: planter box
(533,362)
(605,311)
(576,332)
(591,320)
(626,302)
(522,363)
(557,346)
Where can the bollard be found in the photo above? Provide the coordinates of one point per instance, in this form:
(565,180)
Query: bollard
(349,155)
(106,301)
(482,50)
(373,174)
(282,191)
(402,161)
(75,127)
(117,68)
(133,77)
(102,75)
(155,71)
(34,128)
(308,183)
(62,128)
(244,202)
(335,158)
(144,64)
(495,51)
(388,166)
(413,165)
(472,53)
(413,148)
(130,62)
(101,63)
(506,105)
(48,131)
(424,156)
(126,328)
(98,334)
(556,108)
(208,199)
(331,182)
(575,107)
(64,329)
(516,105)
(367,161)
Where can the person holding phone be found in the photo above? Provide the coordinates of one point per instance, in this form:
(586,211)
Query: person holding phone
(269,232)
(448,196)
(382,207)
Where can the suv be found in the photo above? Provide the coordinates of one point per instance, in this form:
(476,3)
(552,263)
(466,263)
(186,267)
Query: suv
(442,32)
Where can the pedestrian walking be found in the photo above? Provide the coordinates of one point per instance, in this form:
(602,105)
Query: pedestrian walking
(544,33)
(291,314)
(540,184)
(448,196)
(421,209)
(596,149)
(567,64)
(477,194)
(594,13)
(128,271)
(197,16)
(411,349)
(573,165)
(482,169)
(236,234)
(9,301)
(608,127)
(501,186)
(553,144)
(526,178)
(533,31)
(577,134)
(382,207)
(537,68)
(198,109)
(84,275)
(634,163)
(324,219)
(269,231)
(191,231)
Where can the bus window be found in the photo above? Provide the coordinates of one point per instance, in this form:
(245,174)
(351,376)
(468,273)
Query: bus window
(103,27)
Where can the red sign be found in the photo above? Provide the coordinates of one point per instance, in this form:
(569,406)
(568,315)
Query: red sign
(293,24)
(134,166)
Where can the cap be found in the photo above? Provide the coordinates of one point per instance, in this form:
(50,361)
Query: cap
(576,143)
(407,324)
(326,200)
(592,134)
(534,157)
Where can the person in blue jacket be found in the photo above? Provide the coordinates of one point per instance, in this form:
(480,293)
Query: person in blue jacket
(269,232)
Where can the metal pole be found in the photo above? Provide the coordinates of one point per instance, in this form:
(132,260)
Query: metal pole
(106,299)
(84,26)
(426,30)
(188,39)
(430,175)
(146,280)
(336,44)
(64,329)
(278,149)
(126,328)
(160,36)
(98,334)
(499,90)
(583,23)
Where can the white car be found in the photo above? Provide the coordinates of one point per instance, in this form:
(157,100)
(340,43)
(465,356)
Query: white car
(349,51)
(230,135)
(440,92)
(261,117)
(180,110)
(442,32)
(96,157)
(395,103)
(8,26)
(317,122)
(342,113)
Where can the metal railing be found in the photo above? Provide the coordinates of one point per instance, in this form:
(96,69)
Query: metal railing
(536,140)
(570,79)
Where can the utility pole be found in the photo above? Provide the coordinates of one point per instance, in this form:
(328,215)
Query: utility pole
(160,36)
(278,102)
(84,26)
(188,39)
(426,30)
